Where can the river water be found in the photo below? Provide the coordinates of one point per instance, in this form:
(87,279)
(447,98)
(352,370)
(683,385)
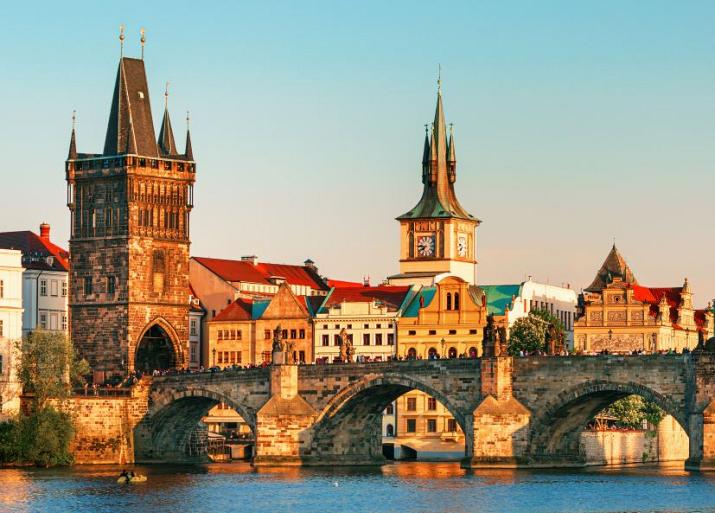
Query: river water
(399,487)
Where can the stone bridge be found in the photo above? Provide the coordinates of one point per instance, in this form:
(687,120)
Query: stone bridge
(514,412)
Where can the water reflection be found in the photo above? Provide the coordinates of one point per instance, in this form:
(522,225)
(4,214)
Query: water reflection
(406,487)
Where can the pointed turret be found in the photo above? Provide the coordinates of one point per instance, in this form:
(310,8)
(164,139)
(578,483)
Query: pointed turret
(451,157)
(614,266)
(72,154)
(130,121)
(166,143)
(188,152)
(438,197)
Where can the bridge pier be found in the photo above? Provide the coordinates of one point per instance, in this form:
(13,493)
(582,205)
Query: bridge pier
(499,424)
(283,422)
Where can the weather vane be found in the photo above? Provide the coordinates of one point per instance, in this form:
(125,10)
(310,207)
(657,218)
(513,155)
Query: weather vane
(143,40)
(166,96)
(439,78)
(121,40)
(74,119)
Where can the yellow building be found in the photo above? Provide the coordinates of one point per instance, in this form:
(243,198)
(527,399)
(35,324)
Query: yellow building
(620,316)
(425,426)
(242,334)
(445,320)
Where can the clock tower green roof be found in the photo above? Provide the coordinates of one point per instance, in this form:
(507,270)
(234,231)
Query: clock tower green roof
(439,174)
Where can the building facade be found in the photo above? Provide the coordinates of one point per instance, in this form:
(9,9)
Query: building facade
(619,315)
(369,316)
(438,236)
(44,280)
(130,211)
(11,310)
(242,334)
(196,317)
(510,302)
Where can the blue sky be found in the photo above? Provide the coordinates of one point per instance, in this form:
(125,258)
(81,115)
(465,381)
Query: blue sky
(575,122)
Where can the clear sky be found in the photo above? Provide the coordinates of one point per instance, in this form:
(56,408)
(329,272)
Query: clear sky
(575,122)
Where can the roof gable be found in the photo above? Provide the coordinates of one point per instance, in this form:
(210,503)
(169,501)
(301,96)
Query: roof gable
(614,266)
(35,251)
(285,305)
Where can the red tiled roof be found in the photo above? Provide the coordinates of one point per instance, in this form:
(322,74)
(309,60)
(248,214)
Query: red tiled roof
(392,296)
(653,295)
(344,284)
(35,251)
(239,310)
(240,271)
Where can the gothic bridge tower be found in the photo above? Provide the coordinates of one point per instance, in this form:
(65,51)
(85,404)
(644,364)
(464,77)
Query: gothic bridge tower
(129,244)
(438,236)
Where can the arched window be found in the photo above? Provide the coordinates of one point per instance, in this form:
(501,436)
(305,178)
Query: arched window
(412,353)
(389,410)
(456,300)
(389,430)
(432,353)
(449,300)
(452,352)
(472,352)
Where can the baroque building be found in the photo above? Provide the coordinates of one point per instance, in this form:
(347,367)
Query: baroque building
(129,241)
(438,236)
(11,309)
(619,315)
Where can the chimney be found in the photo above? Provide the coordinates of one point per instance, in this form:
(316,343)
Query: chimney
(45,231)
(365,281)
(311,265)
(252,259)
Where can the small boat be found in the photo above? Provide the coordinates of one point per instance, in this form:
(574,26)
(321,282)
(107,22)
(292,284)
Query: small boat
(137,478)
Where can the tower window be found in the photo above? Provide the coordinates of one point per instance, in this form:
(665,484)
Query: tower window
(456,300)
(87,285)
(449,300)
(111,284)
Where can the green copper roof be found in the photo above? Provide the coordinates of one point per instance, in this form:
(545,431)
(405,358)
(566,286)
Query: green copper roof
(499,297)
(413,308)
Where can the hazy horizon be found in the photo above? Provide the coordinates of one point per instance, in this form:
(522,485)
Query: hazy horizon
(575,123)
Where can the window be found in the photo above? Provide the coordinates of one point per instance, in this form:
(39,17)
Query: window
(366,326)
(337,326)
(389,430)
(449,300)
(411,425)
(411,404)
(412,332)
(193,328)
(0,364)
(325,326)
(64,322)
(432,332)
(285,333)
(2,332)
(336,340)
(43,320)
(366,339)
(43,287)
(472,332)
(239,335)
(87,285)
(111,284)
(452,332)
(293,334)
(301,333)
(64,288)
(431,425)
(193,353)
(350,326)
(378,339)
(326,340)
(451,425)
(54,288)
(2,289)
(301,356)
(390,410)
(456,300)
(390,339)
(220,334)
(378,326)
(431,403)
(267,334)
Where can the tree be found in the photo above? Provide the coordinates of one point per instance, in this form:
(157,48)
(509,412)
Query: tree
(631,411)
(527,334)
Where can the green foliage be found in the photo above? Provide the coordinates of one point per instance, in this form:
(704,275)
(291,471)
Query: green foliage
(549,318)
(48,365)
(527,334)
(9,443)
(631,411)
(44,437)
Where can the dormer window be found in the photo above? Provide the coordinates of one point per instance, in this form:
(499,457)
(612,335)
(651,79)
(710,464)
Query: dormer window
(141,95)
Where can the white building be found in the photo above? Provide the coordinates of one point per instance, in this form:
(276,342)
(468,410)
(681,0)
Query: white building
(517,300)
(369,317)
(44,281)
(196,314)
(10,328)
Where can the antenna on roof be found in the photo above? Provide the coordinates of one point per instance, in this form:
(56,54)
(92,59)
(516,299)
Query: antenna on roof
(143,40)
(121,41)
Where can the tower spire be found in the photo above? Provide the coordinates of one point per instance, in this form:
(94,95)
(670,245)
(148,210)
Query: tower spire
(451,156)
(188,151)
(72,154)
(166,143)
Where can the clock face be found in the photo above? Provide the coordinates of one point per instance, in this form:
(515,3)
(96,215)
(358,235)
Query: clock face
(425,245)
(462,246)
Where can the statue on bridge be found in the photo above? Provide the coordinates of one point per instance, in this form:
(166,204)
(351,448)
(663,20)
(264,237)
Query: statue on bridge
(347,351)
(282,351)
(554,340)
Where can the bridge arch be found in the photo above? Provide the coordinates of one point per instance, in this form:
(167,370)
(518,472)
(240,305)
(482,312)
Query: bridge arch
(349,428)
(554,434)
(175,414)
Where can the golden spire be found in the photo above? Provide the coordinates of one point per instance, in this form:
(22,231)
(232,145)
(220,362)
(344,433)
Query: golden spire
(143,40)
(121,41)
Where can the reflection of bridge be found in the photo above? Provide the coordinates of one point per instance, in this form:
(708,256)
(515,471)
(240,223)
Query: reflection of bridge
(522,411)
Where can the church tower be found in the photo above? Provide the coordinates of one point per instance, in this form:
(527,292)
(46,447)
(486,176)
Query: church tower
(438,236)
(129,244)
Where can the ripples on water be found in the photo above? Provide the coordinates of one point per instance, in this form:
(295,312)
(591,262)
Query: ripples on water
(401,487)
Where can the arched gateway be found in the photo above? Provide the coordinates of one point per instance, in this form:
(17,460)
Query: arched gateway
(158,348)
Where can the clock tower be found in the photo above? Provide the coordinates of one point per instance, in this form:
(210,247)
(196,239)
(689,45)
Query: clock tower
(437,236)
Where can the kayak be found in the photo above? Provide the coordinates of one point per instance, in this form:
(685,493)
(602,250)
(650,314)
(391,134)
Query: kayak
(136,479)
